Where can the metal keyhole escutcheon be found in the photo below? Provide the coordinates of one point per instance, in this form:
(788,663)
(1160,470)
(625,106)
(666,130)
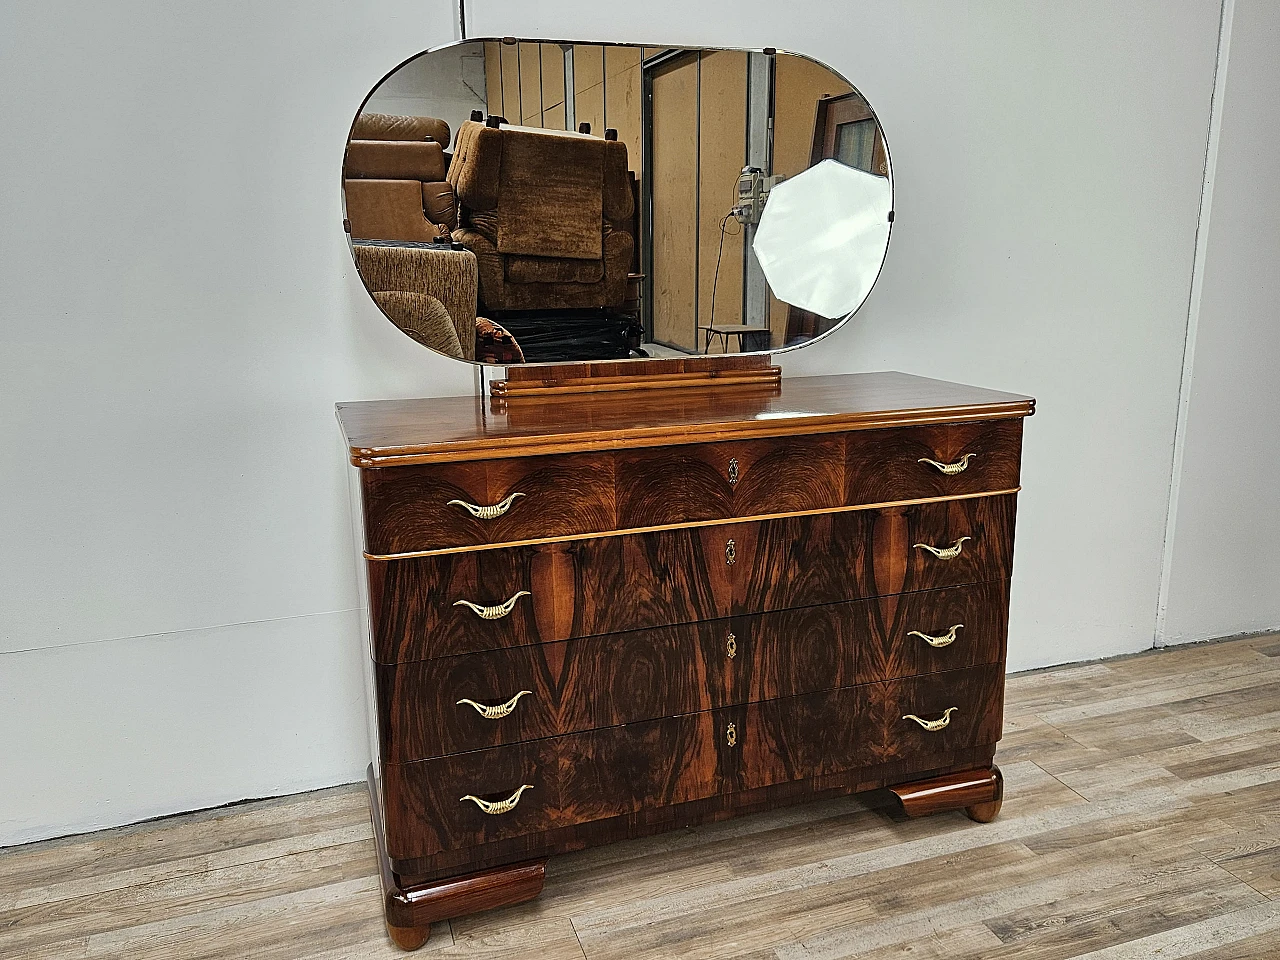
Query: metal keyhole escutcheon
(733,471)
(730,553)
(731,735)
(731,646)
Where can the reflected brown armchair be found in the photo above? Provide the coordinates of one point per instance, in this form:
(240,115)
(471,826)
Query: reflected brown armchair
(429,292)
(394,174)
(546,214)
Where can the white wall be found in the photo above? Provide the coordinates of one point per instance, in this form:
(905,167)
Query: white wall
(448,84)
(180,313)
(1225,565)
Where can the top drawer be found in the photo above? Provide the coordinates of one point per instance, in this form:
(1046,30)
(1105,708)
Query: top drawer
(919,463)
(444,506)
(437,506)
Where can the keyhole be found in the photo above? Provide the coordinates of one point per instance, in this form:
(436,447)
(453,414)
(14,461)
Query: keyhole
(731,735)
(730,553)
(733,471)
(731,646)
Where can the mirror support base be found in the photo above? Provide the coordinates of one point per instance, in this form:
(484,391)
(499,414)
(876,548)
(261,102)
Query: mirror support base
(753,370)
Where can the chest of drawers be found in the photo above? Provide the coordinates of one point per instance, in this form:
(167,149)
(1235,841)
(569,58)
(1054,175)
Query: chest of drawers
(597,618)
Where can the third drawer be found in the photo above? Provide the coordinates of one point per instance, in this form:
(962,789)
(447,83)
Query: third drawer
(431,708)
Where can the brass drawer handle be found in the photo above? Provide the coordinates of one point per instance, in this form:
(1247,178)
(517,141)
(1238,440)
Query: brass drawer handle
(944,553)
(492,512)
(500,710)
(731,735)
(950,469)
(495,612)
(500,806)
(945,640)
(933,726)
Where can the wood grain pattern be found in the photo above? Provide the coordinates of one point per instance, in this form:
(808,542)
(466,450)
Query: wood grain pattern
(402,432)
(649,820)
(840,730)
(595,682)
(888,651)
(413,510)
(547,379)
(679,576)
(408,508)
(692,482)
(977,692)
(607,773)
(882,465)
(575,779)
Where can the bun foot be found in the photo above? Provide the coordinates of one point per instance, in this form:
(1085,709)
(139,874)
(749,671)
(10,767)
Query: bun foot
(983,812)
(988,811)
(408,938)
(977,792)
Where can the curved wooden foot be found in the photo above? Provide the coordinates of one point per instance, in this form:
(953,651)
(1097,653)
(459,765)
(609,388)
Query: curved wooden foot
(978,793)
(988,811)
(408,938)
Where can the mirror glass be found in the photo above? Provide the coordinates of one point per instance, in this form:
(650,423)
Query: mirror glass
(533,202)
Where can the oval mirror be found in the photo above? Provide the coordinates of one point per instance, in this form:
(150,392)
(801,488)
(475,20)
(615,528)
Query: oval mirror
(539,202)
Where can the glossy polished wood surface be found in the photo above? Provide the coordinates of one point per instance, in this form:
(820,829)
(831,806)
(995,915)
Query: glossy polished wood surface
(398,432)
(594,682)
(414,508)
(596,620)
(571,588)
(423,508)
(603,774)
(614,679)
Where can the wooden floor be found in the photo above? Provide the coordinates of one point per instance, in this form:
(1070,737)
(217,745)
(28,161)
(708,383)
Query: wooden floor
(1141,820)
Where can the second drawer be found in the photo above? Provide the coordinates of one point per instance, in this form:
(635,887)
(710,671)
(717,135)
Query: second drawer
(438,606)
(432,708)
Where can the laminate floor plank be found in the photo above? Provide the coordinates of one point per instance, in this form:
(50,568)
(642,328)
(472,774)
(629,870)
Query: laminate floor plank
(1141,820)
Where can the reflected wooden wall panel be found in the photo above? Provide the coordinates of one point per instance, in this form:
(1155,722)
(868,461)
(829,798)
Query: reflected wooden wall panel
(493,76)
(722,151)
(510,82)
(623,91)
(552,85)
(588,86)
(530,85)
(588,66)
(675,204)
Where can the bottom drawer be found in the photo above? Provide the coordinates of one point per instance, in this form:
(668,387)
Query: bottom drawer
(473,799)
(829,733)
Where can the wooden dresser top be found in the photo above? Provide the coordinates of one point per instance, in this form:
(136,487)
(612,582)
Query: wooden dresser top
(383,433)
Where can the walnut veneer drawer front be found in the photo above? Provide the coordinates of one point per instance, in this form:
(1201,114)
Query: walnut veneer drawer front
(473,799)
(916,463)
(432,708)
(435,606)
(437,506)
(571,779)
(715,481)
(824,734)
(915,634)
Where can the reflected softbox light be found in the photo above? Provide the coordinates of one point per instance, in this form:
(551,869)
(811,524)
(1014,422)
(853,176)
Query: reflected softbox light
(822,237)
